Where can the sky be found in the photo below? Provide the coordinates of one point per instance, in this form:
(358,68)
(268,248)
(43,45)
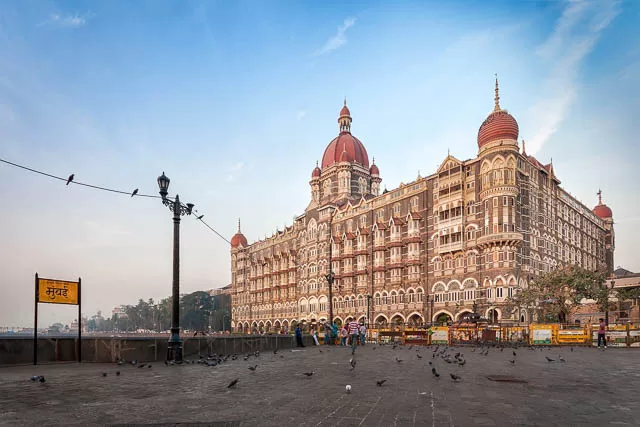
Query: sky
(236,101)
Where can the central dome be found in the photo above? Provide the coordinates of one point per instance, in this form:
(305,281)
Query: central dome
(498,125)
(345,147)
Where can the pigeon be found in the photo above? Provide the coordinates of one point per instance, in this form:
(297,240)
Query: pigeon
(549,359)
(70,179)
(398,360)
(117,373)
(149,366)
(233,383)
(430,363)
(433,371)
(308,373)
(561,358)
(455,377)
(134,192)
(166,362)
(253,368)
(142,366)
(512,361)
(41,379)
(35,378)
(462,362)
(352,362)
(571,349)
(379,383)
(419,356)
(514,354)
(104,374)
(275,351)
(200,217)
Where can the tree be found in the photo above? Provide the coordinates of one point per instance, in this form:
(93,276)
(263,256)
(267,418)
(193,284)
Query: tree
(555,295)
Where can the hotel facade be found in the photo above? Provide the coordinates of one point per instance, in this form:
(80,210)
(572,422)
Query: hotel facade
(461,240)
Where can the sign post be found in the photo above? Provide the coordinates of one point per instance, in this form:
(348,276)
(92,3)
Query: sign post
(49,291)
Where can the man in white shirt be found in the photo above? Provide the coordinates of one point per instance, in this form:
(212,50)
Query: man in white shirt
(363,334)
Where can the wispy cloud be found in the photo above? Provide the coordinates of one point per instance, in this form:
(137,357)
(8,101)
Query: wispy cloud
(339,39)
(575,35)
(300,115)
(235,171)
(68,21)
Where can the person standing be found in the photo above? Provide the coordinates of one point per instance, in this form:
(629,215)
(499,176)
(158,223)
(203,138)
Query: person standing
(343,336)
(354,333)
(314,334)
(363,334)
(602,334)
(299,336)
(328,334)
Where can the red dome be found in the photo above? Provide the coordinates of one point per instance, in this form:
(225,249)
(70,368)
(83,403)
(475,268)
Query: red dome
(499,125)
(345,147)
(374,170)
(238,239)
(316,172)
(345,110)
(603,211)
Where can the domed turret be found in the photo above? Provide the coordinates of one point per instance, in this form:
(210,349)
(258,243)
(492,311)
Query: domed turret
(316,172)
(238,238)
(601,210)
(498,125)
(345,147)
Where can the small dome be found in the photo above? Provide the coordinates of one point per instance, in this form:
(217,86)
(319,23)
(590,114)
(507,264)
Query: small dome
(345,111)
(374,169)
(316,172)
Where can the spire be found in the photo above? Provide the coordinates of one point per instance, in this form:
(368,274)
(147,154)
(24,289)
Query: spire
(497,98)
(524,148)
(599,193)
(345,100)
(238,225)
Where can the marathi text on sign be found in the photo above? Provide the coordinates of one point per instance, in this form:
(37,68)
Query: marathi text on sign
(57,292)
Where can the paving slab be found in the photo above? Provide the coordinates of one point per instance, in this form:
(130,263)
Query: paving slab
(592,387)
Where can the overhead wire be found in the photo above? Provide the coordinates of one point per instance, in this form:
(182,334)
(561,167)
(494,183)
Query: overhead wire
(97,187)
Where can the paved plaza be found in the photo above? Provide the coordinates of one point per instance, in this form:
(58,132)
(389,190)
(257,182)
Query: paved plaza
(591,387)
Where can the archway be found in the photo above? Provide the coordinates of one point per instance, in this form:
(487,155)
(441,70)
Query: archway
(462,314)
(381,321)
(267,326)
(277,326)
(285,325)
(442,318)
(240,327)
(493,315)
(338,321)
(397,319)
(415,319)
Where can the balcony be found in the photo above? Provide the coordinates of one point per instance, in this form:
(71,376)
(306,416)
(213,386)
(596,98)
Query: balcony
(451,247)
(510,238)
(449,222)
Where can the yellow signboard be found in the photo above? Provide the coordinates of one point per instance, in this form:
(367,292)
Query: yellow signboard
(57,292)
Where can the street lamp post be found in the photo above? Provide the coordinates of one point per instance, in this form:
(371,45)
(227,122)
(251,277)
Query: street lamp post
(174,350)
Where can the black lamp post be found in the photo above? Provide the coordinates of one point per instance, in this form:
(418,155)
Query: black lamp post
(174,351)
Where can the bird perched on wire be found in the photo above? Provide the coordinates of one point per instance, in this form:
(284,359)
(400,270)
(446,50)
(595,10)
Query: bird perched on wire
(70,179)
(134,192)
(200,217)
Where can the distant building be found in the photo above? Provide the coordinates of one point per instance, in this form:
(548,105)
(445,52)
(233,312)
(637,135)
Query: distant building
(120,312)
(460,240)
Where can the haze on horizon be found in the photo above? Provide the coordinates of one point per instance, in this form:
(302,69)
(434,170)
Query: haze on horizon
(236,102)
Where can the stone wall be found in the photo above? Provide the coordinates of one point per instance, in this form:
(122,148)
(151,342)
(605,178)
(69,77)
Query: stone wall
(19,350)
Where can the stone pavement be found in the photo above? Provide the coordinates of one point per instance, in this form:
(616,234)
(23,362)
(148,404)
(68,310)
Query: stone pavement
(592,387)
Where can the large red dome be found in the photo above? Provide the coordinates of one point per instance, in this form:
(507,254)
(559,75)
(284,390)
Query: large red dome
(498,125)
(238,239)
(345,147)
(603,211)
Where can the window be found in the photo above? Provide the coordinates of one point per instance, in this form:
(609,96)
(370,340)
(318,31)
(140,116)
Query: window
(396,209)
(504,201)
(470,208)
(495,202)
(499,292)
(363,221)
(381,214)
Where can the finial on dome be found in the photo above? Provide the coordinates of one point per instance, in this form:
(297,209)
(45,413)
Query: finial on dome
(497,98)
(238,225)
(316,163)
(599,193)
(524,148)
(345,100)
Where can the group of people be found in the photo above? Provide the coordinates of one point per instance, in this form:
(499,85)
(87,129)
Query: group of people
(352,334)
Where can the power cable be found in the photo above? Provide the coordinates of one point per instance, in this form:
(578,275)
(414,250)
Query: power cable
(97,187)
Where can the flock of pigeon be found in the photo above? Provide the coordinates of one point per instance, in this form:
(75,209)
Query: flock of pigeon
(449,355)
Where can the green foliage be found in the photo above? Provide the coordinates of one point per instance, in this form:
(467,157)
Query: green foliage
(556,294)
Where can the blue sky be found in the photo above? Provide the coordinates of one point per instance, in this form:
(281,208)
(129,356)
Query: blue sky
(236,101)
